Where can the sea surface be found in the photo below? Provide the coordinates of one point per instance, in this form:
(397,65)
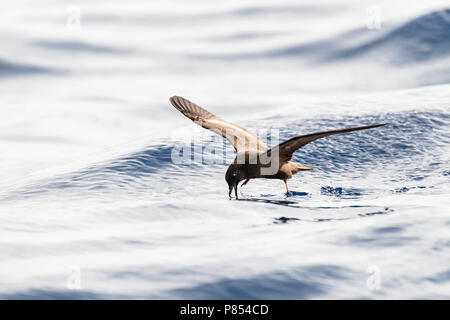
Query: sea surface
(93,204)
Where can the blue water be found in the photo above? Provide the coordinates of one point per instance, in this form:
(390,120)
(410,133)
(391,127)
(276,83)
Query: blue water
(89,182)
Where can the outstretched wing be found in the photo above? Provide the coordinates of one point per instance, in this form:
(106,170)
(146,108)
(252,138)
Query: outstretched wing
(241,139)
(287,148)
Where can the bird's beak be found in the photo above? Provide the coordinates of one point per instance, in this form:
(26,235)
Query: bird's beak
(231,186)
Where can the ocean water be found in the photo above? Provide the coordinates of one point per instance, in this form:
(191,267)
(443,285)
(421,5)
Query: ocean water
(93,205)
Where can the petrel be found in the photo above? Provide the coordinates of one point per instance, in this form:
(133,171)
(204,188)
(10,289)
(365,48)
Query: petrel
(254,159)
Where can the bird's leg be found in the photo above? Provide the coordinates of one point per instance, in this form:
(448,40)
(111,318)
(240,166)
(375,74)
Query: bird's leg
(285,183)
(245,182)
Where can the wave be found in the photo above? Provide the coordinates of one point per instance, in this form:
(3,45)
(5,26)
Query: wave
(8,68)
(299,283)
(409,137)
(419,40)
(410,148)
(78,46)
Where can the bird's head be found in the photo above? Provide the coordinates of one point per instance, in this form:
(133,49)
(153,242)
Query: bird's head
(233,176)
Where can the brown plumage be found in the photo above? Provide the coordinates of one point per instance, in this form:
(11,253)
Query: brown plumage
(254,159)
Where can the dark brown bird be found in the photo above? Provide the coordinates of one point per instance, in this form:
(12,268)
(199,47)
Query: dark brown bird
(254,159)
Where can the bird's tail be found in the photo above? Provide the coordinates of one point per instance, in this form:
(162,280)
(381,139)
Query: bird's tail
(300,167)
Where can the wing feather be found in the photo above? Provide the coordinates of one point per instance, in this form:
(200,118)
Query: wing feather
(287,148)
(241,139)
